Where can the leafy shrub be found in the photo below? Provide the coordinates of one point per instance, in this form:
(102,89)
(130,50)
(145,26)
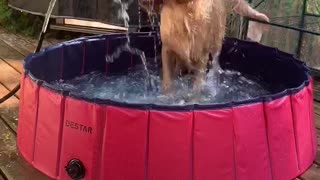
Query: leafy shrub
(19,22)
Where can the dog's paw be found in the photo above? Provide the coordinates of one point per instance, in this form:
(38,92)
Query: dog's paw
(262,17)
(168,94)
(166,88)
(256,30)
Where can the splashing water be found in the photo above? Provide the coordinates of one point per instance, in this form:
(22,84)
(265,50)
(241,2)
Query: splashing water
(123,14)
(221,86)
(139,18)
(127,48)
(151,16)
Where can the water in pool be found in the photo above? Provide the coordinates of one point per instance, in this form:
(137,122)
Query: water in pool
(143,85)
(220,87)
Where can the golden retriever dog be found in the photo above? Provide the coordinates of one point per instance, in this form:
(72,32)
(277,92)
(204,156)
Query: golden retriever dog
(191,30)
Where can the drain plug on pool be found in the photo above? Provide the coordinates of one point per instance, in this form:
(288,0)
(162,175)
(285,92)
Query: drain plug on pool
(75,169)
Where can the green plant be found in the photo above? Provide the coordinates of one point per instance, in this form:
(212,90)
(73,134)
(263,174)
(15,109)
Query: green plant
(19,22)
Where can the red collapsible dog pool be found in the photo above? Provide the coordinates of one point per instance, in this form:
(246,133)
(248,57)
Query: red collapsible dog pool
(70,137)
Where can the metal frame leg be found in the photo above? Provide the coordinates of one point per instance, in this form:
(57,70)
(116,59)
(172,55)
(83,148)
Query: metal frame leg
(45,25)
(301,25)
(40,41)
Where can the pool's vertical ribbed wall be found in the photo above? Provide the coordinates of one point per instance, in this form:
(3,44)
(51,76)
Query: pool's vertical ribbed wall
(125,143)
(271,140)
(82,136)
(209,128)
(281,137)
(28,118)
(48,131)
(170,145)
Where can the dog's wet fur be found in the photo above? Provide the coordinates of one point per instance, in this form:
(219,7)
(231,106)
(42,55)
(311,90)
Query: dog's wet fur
(191,31)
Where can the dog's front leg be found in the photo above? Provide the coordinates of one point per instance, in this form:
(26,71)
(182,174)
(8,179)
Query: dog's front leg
(199,80)
(200,74)
(166,70)
(243,8)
